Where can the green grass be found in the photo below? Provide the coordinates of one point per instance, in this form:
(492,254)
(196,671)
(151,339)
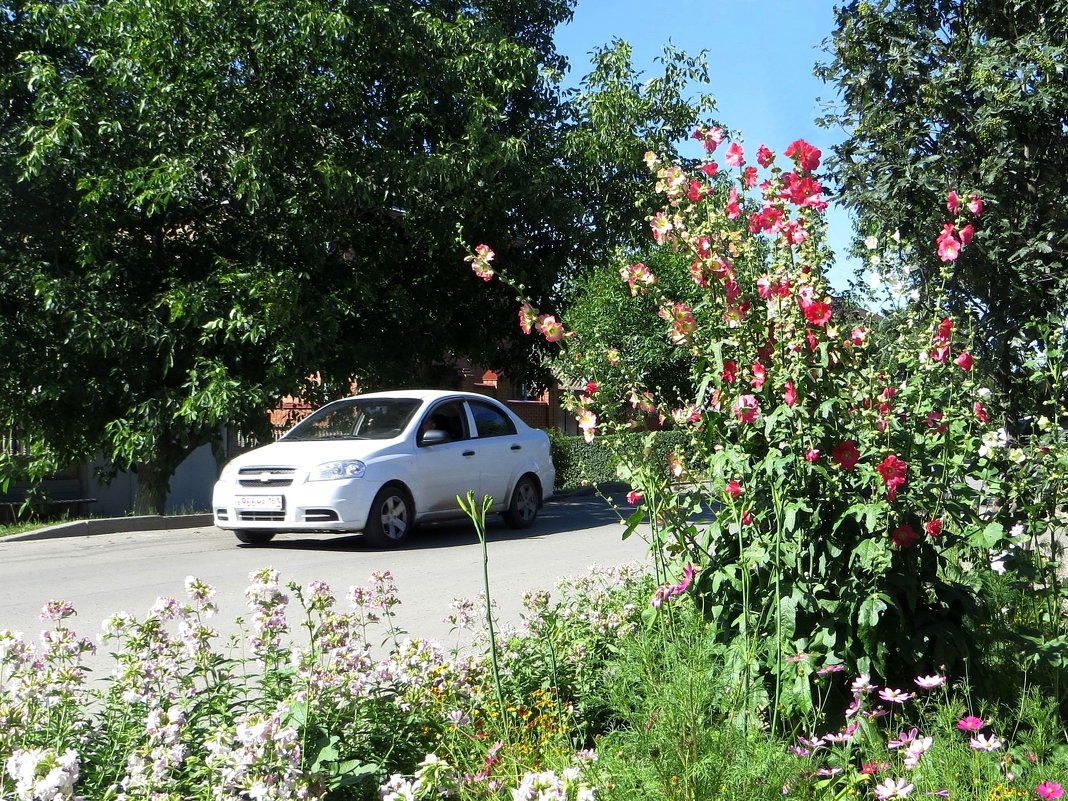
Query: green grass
(10,529)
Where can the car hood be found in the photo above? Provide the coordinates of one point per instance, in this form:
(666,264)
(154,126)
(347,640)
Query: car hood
(308,454)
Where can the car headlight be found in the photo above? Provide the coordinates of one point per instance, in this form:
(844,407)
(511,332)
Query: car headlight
(330,471)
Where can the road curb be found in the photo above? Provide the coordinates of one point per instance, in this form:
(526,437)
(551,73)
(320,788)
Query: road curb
(113,525)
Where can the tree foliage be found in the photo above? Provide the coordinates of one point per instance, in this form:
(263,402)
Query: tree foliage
(968,94)
(208,206)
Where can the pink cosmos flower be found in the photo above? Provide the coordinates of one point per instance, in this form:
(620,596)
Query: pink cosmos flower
(948,245)
(764,156)
(982,742)
(634,497)
(746,409)
(480,262)
(895,696)
(903,739)
(953,203)
(528,316)
(735,156)
(845,455)
(930,682)
(894,473)
(893,788)
(790,395)
(975,204)
(970,723)
(964,361)
(550,328)
(1050,791)
(733,488)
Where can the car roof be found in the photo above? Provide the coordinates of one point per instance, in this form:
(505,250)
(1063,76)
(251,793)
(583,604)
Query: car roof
(424,395)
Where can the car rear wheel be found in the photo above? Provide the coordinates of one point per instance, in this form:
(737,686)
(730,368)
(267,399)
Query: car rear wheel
(523,509)
(391,519)
(254,537)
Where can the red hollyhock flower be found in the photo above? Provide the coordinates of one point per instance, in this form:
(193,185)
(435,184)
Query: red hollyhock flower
(812,455)
(734,488)
(894,473)
(746,409)
(764,156)
(730,371)
(790,396)
(846,455)
(760,375)
(953,203)
(805,155)
(964,361)
(980,412)
(903,536)
(818,313)
(933,528)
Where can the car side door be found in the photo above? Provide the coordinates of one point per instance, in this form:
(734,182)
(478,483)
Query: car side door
(498,450)
(443,470)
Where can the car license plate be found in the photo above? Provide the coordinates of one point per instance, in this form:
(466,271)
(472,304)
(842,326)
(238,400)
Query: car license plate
(272,503)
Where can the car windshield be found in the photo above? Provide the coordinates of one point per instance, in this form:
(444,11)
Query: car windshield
(367,418)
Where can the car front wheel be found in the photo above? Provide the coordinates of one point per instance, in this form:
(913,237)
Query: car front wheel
(523,509)
(391,518)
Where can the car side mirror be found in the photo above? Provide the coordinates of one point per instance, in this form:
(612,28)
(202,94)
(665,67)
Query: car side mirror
(435,437)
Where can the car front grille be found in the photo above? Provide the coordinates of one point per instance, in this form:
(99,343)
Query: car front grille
(265,476)
(261,517)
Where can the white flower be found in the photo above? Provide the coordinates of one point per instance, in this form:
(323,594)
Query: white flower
(1017,531)
(983,393)
(983,743)
(993,440)
(875,260)
(893,788)
(871,242)
(1017,455)
(874,279)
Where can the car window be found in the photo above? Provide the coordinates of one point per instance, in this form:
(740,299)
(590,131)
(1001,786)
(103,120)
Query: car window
(490,421)
(448,417)
(378,418)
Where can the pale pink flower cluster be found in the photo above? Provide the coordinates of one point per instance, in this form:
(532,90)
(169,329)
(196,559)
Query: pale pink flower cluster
(41,774)
(259,759)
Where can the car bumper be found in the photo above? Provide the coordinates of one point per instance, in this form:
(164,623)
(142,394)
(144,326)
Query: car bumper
(312,506)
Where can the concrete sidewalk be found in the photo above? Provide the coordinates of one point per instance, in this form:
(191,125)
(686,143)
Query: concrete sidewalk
(113,525)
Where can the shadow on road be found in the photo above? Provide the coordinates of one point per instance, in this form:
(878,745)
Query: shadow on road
(559,516)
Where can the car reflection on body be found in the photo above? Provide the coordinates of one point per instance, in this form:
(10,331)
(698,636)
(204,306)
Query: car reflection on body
(382,462)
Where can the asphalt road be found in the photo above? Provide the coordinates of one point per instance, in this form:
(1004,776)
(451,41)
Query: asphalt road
(108,573)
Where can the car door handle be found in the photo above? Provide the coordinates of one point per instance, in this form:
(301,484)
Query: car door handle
(517,447)
(469,453)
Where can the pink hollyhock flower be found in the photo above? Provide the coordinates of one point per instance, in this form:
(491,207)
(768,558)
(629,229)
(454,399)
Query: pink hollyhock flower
(1050,791)
(760,375)
(940,354)
(930,682)
(747,519)
(933,528)
(683,323)
(528,316)
(953,203)
(749,176)
(734,316)
(550,328)
(730,371)
(764,156)
(734,211)
(697,192)
(975,205)
(587,421)
(948,245)
(661,226)
(894,473)
(710,168)
(964,361)
(804,155)
(945,330)
(812,455)
(980,412)
(634,497)
(970,723)
(790,395)
(806,296)
(966,234)
(845,455)
(735,156)
(734,488)
(480,262)
(638,277)
(810,338)
(903,536)
(858,335)
(746,409)
(818,313)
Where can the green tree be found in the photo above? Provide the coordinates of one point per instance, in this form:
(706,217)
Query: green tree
(206,207)
(966,94)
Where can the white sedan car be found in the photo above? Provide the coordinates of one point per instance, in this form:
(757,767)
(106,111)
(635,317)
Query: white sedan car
(382,462)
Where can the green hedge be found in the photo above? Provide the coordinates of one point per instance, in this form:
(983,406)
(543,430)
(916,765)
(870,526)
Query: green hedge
(580,463)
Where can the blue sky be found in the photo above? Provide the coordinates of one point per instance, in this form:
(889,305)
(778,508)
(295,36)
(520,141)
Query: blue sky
(760,55)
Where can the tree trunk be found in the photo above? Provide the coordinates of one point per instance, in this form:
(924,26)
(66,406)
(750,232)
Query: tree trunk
(153,486)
